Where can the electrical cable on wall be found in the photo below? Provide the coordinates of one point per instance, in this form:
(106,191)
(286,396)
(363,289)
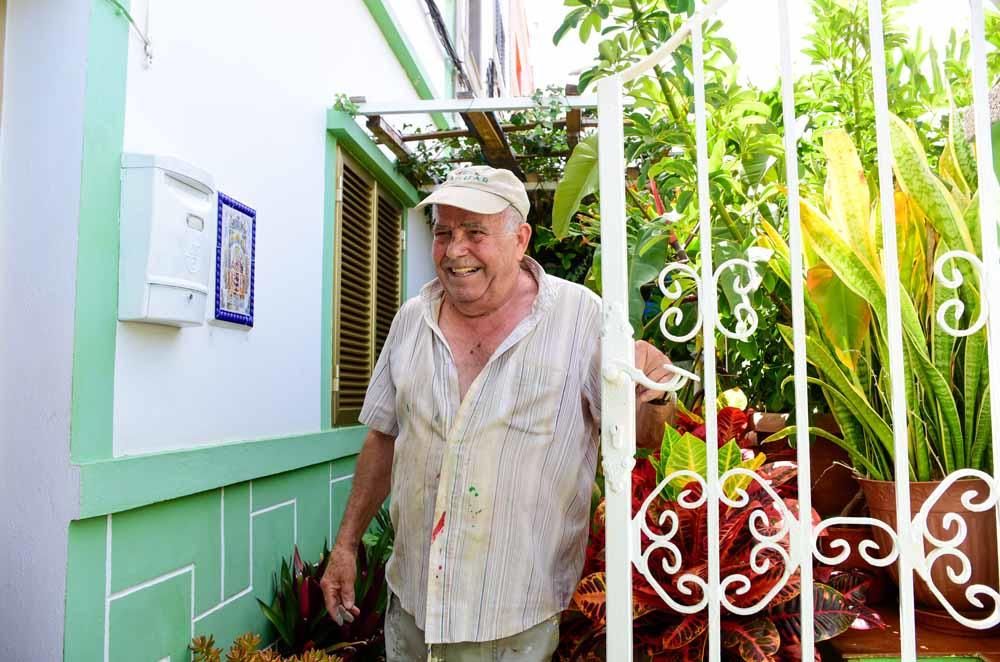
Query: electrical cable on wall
(147,44)
(442,32)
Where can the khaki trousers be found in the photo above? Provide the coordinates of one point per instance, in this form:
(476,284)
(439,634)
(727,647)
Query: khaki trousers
(404,642)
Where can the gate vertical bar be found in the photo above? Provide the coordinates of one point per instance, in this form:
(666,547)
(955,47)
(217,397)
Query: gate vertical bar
(890,264)
(987,215)
(618,392)
(707,301)
(806,634)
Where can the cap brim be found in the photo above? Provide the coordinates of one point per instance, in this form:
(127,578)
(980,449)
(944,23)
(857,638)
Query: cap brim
(469,199)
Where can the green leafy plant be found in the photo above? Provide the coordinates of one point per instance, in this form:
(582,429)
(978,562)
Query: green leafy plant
(746,157)
(345,104)
(848,340)
(299,616)
(537,135)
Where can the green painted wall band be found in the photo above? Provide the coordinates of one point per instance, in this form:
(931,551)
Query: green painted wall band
(111,486)
(403,51)
(96,316)
(352,138)
(85,582)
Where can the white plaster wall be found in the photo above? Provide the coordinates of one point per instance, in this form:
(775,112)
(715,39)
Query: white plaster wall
(241,89)
(419,264)
(41,139)
(412,15)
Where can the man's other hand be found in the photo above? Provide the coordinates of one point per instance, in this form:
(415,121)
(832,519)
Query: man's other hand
(338,585)
(653,363)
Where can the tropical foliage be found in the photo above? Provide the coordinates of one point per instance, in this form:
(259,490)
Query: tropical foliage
(298,613)
(848,338)
(246,648)
(661,632)
(746,157)
(305,632)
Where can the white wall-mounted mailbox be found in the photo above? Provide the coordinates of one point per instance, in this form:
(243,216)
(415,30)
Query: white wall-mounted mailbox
(168,227)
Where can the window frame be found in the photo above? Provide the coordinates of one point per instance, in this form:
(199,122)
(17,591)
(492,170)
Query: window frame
(339,414)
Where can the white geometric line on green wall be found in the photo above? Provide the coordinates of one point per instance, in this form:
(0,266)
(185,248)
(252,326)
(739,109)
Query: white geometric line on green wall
(222,546)
(223,600)
(284,504)
(110,597)
(160,560)
(332,482)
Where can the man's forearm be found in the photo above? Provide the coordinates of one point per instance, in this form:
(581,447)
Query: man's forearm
(649,422)
(372,478)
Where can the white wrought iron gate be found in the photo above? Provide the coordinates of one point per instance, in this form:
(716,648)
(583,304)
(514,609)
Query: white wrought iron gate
(629,541)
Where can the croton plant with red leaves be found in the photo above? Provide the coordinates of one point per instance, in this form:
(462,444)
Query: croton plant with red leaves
(661,633)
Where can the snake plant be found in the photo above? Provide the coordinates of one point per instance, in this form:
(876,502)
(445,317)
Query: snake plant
(848,340)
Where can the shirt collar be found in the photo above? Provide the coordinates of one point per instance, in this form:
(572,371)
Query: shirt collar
(432,293)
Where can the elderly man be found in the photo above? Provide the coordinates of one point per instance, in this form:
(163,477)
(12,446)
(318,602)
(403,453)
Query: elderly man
(484,412)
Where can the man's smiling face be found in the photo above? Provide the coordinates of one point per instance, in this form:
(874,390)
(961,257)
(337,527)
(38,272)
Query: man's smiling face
(478,256)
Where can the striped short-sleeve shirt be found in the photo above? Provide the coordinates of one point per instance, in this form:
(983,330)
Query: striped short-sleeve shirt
(490,494)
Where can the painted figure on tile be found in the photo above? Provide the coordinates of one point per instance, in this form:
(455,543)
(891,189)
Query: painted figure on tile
(236,263)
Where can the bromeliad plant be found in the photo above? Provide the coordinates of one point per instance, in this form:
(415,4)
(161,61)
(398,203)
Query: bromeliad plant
(660,631)
(847,329)
(300,617)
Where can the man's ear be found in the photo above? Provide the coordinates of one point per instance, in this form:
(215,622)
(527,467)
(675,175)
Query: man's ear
(523,238)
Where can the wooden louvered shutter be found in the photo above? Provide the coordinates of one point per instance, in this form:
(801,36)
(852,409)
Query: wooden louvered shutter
(352,353)
(366,283)
(386,268)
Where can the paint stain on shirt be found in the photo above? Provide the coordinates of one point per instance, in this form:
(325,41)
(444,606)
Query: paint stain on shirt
(438,528)
(473,491)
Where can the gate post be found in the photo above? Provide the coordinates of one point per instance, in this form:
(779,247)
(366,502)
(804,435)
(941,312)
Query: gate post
(618,392)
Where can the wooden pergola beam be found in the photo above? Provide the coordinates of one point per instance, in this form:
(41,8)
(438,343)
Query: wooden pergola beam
(508,128)
(574,121)
(386,134)
(491,138)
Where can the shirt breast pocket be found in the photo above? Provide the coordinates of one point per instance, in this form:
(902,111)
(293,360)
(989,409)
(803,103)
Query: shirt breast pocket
(535,401)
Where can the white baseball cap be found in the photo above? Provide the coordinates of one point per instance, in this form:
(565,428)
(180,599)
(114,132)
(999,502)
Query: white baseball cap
(482,190)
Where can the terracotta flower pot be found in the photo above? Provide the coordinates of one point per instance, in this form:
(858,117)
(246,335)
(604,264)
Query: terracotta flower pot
(979,546)
(833,484)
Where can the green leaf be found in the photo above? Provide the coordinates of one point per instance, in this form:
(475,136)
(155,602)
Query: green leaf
(589,25)
(670,437)
(983,433)
(729,456)
(975,361)
(852,449)
(580,179)
(962,150)
(838,383)
(718,152)
(646,260)
(278,621)
(915,177)
(846,316)
(686,454)
(848,203)
(571,21)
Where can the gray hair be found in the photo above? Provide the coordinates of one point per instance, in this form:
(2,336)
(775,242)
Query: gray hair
(512,218)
